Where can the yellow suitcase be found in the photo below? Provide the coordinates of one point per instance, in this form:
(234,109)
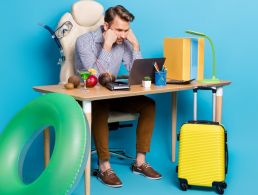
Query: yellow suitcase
(202,152)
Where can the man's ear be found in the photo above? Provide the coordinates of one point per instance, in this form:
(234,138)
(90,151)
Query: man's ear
(106,26)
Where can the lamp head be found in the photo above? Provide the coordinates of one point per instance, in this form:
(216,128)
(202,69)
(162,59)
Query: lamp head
(213,79)
(195,33)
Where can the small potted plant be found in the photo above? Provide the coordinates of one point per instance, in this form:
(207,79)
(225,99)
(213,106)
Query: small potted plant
(146,82)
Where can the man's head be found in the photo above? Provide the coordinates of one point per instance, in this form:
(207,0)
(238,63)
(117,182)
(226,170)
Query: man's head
(118,19)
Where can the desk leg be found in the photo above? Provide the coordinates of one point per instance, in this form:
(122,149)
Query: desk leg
(219,95)
(46,138)
(86,105)
(174,124)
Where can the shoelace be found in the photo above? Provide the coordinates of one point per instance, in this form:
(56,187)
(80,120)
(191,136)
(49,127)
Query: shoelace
(110,172)
(146,165)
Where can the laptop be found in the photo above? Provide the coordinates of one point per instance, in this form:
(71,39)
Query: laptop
(140,69)
(144,67)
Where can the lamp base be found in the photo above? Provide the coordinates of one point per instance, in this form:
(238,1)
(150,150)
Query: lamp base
(212,80)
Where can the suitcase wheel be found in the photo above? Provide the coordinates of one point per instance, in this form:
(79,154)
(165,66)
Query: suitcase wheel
(224,185)
(220,186)
(219,189)
(183,184)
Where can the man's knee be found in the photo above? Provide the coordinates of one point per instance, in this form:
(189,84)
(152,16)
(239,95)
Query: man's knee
(100,108)
(149,105)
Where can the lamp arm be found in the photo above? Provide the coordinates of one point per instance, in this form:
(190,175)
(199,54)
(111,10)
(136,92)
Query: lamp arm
(213,56)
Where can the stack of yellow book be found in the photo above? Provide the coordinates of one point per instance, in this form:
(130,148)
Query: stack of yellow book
(184,58)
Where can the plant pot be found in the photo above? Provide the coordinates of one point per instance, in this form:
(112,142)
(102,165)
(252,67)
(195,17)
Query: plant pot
(146,84)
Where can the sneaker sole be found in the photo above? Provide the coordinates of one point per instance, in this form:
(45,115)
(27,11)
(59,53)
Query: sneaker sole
(112,186)
(152,178)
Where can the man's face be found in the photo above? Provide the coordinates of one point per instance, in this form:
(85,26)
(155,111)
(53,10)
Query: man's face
(121,28)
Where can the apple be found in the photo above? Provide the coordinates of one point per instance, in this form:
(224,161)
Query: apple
(91,81)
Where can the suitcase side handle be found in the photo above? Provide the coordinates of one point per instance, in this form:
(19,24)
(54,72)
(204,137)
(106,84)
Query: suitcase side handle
(226,158)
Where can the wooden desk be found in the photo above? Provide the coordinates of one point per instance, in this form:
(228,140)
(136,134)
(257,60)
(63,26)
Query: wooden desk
(99,93)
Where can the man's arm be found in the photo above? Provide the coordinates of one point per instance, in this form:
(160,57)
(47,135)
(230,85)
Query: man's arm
(132,50)
(85,54)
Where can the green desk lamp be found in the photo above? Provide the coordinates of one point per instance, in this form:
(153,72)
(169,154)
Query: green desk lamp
(213,79)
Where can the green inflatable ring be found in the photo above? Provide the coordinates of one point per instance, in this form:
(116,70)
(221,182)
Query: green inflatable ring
(70,151)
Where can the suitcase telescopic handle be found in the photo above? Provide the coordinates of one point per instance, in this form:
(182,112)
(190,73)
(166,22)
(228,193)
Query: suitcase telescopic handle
(214,90)
(203,122)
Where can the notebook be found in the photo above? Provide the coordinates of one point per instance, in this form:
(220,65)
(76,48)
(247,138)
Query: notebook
(179,82)
(117,85)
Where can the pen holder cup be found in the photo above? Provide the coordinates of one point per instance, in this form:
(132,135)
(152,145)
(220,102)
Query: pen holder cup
(160,78)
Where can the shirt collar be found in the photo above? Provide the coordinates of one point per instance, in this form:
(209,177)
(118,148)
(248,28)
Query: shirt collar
(98,34)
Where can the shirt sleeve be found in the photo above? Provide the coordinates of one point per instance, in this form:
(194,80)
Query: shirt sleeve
(130,55)
(87,58)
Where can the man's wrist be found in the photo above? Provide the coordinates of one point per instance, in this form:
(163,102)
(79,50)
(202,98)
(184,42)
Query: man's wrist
(107,46)
(136,47)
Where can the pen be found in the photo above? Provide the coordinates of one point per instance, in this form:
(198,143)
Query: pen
(164,67)
(156,66)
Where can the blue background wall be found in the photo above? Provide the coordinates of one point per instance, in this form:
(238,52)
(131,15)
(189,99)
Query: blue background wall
(28,57)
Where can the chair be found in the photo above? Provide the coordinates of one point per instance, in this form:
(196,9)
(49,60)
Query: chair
(85,16)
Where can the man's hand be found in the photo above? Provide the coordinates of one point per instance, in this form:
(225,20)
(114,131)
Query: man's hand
(133,40)
(109,39)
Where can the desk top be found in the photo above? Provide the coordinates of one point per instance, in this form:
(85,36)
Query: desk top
(98,92)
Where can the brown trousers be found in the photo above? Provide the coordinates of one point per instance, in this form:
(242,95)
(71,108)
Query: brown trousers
(143,105)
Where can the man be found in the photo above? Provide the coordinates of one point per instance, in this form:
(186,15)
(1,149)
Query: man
(105,50)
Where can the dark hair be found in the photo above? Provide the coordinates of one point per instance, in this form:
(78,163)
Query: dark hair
(119,11)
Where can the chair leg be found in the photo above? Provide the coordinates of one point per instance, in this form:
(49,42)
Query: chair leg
(121,155)
(118,153)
